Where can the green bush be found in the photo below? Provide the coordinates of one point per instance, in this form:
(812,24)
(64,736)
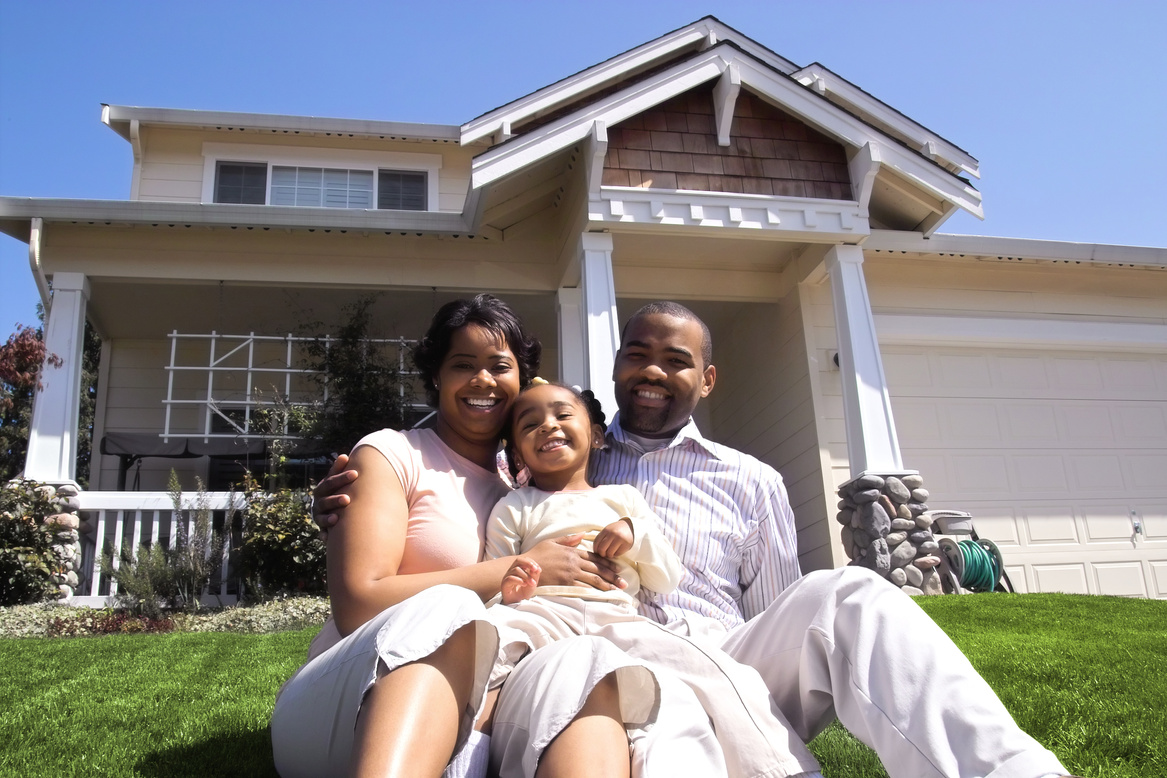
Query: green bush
(282,552)
(152,577)
(27,559)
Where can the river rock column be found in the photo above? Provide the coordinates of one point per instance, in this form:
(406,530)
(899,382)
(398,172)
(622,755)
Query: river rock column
(886,528)
(68,547)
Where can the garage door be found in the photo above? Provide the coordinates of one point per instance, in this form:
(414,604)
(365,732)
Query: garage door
(1060,456)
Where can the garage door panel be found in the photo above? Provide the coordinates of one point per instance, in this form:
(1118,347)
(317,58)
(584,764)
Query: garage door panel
(1031,423)
(1039,473)
(1095,474)
(1108,525)
(1124,579)
(1048,525)
(1154,520)
(975,473)
(1131,375)
(970,423)
(1021,374)
(1077,374)
(963,371)
(1142,422)
(1070,579)
(1086,424)
(1159,578)
(1147,473)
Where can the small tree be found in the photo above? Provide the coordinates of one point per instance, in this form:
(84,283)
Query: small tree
(363,385)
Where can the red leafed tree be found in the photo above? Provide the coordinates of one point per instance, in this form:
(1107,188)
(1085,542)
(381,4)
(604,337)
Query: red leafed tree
(21,359)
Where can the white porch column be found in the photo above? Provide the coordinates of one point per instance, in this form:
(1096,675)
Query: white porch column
(872,445)
(52,441)
(588,327)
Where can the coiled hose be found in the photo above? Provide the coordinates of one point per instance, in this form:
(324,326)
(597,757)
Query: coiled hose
(977,564)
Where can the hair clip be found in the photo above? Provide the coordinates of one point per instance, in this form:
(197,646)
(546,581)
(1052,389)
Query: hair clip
(539,381)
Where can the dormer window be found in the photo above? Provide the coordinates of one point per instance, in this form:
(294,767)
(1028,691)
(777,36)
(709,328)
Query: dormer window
(362,180)
(241,182)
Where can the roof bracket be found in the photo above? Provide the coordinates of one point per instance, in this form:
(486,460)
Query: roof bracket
(863,167)
(724,99)
(595,152)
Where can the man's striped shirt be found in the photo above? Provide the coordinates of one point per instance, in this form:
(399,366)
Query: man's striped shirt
(725,512)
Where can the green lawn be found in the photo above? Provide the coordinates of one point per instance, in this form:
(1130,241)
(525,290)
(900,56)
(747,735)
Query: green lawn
(1082,674)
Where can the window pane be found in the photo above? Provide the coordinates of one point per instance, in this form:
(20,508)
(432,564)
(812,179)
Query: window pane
(240,182)
(401,190)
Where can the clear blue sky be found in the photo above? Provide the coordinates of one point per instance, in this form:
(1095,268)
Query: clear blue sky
(1062,102)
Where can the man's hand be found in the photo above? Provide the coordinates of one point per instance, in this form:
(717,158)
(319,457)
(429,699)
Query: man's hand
(520,581)
(325,500)
(564,564)
(614,539)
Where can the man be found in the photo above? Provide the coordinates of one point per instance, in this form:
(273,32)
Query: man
(833,643)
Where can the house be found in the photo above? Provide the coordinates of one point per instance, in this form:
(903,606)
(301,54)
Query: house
(1025,381)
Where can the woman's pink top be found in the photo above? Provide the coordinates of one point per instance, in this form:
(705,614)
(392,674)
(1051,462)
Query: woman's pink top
(449,499)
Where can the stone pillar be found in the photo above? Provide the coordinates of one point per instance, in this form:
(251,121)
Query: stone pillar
(52,442)
(589,332)
(886,528)
(883,507)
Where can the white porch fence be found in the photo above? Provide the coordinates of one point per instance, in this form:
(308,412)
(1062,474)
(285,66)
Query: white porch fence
(128,520)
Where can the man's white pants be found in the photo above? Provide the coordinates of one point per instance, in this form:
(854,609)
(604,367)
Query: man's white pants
(847,643)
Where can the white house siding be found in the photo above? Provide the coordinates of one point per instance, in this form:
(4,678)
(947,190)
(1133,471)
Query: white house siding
(763,404)
(1051,446)
(171,168)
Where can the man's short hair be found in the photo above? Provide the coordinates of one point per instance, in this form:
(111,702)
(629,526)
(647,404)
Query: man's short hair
(676,310)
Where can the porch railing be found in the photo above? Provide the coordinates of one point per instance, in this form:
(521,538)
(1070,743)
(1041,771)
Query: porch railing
(129,520)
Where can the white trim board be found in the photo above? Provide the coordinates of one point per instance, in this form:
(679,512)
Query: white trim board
(1061,334)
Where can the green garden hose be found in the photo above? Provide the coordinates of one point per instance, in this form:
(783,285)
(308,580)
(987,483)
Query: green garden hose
(977,564)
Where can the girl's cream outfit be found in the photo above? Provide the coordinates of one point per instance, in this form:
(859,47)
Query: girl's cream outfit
(449,500)
(755,738)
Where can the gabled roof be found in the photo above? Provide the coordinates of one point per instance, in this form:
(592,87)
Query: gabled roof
(689,39)
(883,154)
(120,119)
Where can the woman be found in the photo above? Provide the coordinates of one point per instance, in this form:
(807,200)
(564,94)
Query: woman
(396,679)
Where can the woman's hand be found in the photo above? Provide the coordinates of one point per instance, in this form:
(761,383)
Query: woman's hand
(563,564)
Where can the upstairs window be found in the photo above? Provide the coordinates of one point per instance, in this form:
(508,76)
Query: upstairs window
(400,190)
(262,174)
(321,187)
(241,182)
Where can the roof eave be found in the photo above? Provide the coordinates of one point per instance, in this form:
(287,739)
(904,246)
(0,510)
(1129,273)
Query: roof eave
(119,117)
(1017,249)
(17,212)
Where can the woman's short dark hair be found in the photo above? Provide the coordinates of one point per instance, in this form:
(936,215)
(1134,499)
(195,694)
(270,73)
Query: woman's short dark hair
(488,312)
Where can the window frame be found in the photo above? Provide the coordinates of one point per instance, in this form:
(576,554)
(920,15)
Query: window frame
(304,157)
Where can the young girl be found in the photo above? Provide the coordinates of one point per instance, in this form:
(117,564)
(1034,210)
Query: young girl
(554,429)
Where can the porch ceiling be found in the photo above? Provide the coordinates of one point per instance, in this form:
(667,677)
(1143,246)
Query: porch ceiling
(136,310)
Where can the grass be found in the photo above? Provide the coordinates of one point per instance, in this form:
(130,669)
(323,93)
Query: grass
(1082,674)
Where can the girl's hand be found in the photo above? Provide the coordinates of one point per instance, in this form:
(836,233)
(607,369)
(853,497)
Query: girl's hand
(520,581)
(564,564)
(614,539)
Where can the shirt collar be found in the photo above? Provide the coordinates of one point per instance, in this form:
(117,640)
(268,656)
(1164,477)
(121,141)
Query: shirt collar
(689,432)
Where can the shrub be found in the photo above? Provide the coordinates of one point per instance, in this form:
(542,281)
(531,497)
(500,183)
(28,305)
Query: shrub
(106,622)
(282,552)
(28,560)
(152,577)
